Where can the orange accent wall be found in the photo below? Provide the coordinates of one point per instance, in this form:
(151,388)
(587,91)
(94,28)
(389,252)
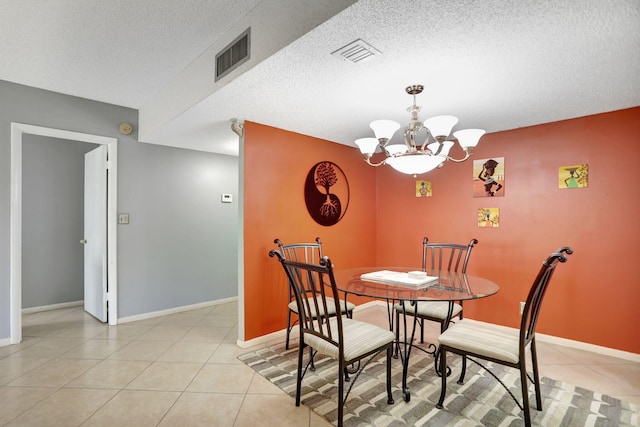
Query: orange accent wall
(275,167)
(593,297)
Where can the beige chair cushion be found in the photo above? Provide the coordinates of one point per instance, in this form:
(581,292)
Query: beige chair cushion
(359,338)
(431,309)
(484,339)
(331,306)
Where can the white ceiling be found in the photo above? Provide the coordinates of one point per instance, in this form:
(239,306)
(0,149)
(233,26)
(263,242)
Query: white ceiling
(496,64)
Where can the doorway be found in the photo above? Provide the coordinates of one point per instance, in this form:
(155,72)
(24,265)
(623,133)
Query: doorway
(17,132)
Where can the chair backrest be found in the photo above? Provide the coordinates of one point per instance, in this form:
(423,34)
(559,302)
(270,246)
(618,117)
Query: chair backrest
(536,295)
(446,256)
(309,253)
(312,285)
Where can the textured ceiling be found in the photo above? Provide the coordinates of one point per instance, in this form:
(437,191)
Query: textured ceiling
(495,64)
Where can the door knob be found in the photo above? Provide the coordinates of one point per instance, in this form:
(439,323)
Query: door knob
(83,241)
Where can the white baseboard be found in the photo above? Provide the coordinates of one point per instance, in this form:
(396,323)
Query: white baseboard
(606,351)
(31,310)
(174,310)
(5,342)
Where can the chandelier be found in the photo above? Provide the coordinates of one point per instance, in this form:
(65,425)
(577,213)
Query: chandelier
(414,157)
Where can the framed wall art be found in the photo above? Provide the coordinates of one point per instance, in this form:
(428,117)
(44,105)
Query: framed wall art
(488,177)
(574,176)
(423,189)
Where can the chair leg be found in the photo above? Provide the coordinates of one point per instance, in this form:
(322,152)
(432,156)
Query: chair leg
(536,375)
(312,367)
(389,355)
(443,377)
(299,377)
(286,343)
(421,331)
(463,371)
(397,343)
(525,393)
(340,392)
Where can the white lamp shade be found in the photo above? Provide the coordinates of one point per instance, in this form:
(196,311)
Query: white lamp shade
(441,125)
(415,164)
(469,137)
(384,129)
(395,149)
(446,146)
(367,145)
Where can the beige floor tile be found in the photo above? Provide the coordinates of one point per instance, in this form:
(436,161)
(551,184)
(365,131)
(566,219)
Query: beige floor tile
(55,373)
(316,420)
(16,400)
(164,332)
(272,410)
(203,409)
(588,358)
(183,319)
(14,367)
(186,351)
(142,350)
(115,374)
(14,348)
(128,331)
(232,336)
(261,385)
(83,330)
(165,376)
(222,379)
(66,407)
(226,308)
(220,320)
(205,333)
(627,378)
(45,329)
(134,408)
(49,347)
(95,349)
(227,353)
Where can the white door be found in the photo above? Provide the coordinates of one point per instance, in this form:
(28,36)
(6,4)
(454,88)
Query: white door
(95,233)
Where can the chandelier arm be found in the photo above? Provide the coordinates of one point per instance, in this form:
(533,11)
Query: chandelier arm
(368,160)
(467,155)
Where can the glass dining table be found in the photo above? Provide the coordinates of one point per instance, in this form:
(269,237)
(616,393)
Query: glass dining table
(387,284)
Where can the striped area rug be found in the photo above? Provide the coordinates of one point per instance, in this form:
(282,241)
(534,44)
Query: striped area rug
(481,401)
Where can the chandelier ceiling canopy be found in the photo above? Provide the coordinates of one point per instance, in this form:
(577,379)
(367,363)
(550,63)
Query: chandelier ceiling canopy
(415,157)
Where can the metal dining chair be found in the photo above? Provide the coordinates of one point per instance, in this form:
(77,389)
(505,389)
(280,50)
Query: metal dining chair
(437,257)
(502,345)
(310,253)
(326,331)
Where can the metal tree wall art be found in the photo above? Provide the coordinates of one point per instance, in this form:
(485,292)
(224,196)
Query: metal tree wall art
(326,193)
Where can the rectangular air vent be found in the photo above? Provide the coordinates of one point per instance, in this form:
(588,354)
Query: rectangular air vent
(234,54)
(356,51)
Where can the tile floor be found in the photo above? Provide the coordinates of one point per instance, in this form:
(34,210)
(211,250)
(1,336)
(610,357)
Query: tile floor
(181,369)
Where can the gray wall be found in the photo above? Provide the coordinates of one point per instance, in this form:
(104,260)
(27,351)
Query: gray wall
(52,220)
(180,246)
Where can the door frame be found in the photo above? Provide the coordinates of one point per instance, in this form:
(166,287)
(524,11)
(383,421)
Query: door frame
(15,267)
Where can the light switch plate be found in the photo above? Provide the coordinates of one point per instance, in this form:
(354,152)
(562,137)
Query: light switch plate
(123,218)
(227,198)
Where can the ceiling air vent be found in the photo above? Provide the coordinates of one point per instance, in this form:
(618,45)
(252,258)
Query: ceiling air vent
(357,51)
(234,54)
